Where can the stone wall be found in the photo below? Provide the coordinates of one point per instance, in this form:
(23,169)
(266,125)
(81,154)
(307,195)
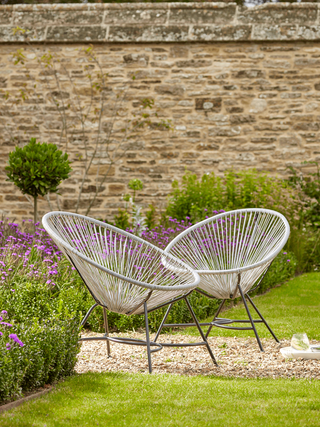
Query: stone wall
(240,86)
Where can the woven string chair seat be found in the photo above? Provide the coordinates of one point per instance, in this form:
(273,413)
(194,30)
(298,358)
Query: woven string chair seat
(237,242)
(231,252)
(123,273)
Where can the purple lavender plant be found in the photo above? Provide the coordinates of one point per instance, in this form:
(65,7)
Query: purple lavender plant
(29,254)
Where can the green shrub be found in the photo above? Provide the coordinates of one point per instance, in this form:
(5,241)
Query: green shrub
(199,198)
(309,183)
(49,329)
(47,352)
(37,169)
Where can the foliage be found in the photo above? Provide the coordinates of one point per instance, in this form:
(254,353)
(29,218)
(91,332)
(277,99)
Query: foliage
(151,218)
(131,217)
(44,352)
(309,183)
(122,219)
(135,185)
(26,254)
(37,169)
(198,199)
(304,241)
(283,268)
(295,198)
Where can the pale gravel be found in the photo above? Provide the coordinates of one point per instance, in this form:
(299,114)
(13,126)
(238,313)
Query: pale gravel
(237,357)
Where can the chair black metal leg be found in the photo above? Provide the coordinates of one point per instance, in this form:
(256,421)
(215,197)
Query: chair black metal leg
(201,331)
(215,316)
(262,318)
(162,323)
(147,337)
(88,314)
(106,330)
(249,315)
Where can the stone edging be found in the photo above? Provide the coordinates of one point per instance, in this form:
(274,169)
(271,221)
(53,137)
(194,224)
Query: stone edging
(16,403)
(160,22)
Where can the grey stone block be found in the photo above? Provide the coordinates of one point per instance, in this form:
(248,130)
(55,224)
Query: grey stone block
(148,33)
(136,16)
(76,33)
(7,34)
(49,17)
(274,32)
(278,13)
(220,14)
(220,33)
(5,17)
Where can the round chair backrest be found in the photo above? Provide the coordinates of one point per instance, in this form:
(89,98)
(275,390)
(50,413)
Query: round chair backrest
(120,270)
(241,242)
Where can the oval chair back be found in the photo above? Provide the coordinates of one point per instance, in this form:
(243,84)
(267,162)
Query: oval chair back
(242,243)
(232,252)
(120,270)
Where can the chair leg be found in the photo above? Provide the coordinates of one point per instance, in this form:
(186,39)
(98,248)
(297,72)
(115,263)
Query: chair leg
(201,331)
(106,330)
(147,337)
(262,318)
(162,323)
(88,314)
(215,316)
(250,317)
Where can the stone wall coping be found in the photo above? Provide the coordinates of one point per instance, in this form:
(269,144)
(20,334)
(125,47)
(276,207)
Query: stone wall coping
(175,5)
(99,6)
(159,22)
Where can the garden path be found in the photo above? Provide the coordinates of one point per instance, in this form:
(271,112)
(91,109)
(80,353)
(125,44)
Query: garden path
(237,357)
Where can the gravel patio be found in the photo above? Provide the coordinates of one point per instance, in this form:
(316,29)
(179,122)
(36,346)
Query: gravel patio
(237,357)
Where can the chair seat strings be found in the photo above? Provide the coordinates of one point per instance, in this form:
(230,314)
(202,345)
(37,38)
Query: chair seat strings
(120,253)
(236,240)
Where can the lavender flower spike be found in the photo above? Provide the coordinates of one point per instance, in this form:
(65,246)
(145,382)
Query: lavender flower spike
(16,339)
(6,324)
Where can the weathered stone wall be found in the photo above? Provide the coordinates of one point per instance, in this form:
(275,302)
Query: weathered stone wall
(241,86)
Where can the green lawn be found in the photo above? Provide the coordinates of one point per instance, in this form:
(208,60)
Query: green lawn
(119,399)
(166,400)
(293,307)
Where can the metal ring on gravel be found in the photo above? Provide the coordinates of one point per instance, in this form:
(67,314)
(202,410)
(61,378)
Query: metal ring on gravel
(128,341)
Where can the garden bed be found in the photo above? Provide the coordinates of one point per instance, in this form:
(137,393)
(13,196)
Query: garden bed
(237,357)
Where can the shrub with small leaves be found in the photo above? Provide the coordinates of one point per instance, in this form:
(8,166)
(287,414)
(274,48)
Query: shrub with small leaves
(36,352)
(37,169)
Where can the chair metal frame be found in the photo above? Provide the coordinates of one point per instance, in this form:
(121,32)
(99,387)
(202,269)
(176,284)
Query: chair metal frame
(235,274)
(94,272)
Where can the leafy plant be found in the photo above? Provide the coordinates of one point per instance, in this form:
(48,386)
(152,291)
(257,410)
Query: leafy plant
(35,352)
(151,219)
(309,183)
(200,198)
(135,185)
(121,220)
(37,169)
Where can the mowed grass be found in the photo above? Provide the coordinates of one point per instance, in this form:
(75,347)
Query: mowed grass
(119,399)
(291,308)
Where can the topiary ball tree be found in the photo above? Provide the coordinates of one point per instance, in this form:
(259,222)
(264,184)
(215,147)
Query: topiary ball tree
(37,169)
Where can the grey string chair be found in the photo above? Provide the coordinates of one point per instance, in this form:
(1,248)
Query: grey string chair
(123,273)
(231,252)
